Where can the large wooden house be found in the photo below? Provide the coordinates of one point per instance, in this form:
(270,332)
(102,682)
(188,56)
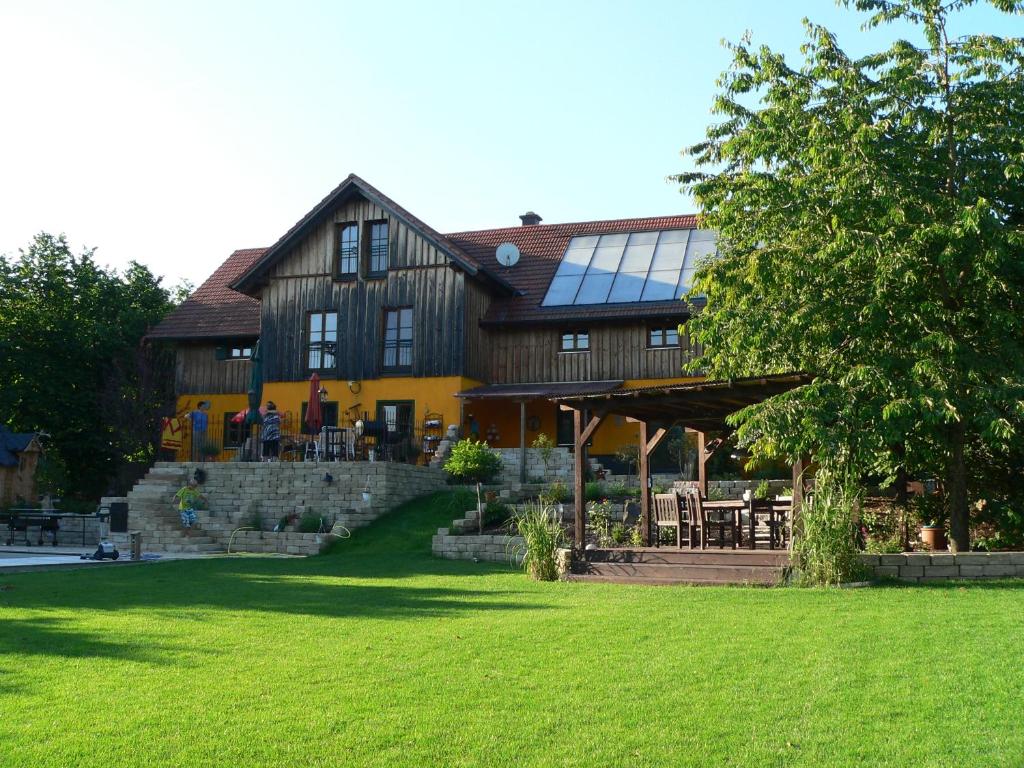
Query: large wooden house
(414,327)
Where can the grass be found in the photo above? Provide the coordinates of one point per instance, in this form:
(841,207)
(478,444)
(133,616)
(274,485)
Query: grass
(377,654)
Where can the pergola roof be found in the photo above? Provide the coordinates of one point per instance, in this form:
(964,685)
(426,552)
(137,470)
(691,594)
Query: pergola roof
(701,405)
(549,389)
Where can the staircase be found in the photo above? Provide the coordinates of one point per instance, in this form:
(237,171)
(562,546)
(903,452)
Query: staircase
(673,566)
(152,511)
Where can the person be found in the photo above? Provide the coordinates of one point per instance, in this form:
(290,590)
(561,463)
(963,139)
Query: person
(271,433)
(188,498)
(200,422)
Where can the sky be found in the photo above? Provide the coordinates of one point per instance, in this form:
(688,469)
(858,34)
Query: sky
(174,133)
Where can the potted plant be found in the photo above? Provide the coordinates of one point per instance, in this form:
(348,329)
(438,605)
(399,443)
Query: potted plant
(930,511)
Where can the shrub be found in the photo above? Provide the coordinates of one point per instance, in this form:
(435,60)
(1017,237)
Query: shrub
(824,547)
(636,536)
(473,461)
(311,522)
(208,449)
(556,493)
(618,491)
(599,515)
(593,491)
(763,490)
(496,512)
(543,535)
(619,535)
(544,446)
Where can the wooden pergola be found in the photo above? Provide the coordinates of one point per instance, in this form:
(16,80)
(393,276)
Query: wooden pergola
(700,407)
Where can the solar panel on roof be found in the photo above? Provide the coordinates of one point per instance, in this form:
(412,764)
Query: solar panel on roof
(629,266)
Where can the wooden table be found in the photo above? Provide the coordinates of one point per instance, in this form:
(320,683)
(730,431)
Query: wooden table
(753,508)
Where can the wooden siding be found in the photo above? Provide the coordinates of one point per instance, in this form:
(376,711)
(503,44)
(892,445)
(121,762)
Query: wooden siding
(199,372)
(478,340)
(419,276)
(616,352)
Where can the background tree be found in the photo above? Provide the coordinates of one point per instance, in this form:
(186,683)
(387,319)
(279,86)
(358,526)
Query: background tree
(473,461)
(870,213)
(73,365)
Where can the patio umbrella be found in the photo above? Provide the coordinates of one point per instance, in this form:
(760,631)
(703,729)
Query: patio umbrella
(253,416)
(314,416)
(239,417)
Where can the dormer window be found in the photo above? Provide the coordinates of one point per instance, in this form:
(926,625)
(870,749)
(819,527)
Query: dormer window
(377,248)
(348,250)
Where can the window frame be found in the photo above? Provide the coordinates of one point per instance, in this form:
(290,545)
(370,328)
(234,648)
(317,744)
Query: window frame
(330,411)
(664,330)
(368,247)
(244,352)
(399,344)
(307,348)
(575,347)
(340,229)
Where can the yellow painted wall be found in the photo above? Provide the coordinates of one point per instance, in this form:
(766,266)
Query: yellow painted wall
(436,394)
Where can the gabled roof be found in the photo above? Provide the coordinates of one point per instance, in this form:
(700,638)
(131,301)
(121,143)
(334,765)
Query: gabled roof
(11,444)
(351,187)
(216,311)
(541,247)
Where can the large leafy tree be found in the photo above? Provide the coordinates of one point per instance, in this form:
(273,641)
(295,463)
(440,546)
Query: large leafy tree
(73,363)
(871,215)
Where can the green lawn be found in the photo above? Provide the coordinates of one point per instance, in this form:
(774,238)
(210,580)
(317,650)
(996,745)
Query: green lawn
(365,657)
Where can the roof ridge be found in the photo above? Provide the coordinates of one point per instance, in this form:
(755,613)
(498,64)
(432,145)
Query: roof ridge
(535,227)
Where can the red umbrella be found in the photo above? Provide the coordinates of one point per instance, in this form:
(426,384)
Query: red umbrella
(314,416)
(239,417)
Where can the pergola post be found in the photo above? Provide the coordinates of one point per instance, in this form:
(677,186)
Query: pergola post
(648,444)
(702,464)
(522,441)
(581,434)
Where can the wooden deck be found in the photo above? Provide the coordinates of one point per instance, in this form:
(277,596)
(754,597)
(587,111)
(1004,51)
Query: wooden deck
(662,565)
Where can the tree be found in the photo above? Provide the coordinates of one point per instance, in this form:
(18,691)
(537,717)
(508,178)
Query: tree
(72,361)
(473,462)
(870,216)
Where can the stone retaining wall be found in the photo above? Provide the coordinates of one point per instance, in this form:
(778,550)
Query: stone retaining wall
(733,489)
(284,542)
(278,489)
(932,566)
(495,548)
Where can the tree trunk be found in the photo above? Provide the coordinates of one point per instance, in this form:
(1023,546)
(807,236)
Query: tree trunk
(479,510)
(956,490)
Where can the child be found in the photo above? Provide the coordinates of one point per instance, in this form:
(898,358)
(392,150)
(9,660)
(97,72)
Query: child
(188,497)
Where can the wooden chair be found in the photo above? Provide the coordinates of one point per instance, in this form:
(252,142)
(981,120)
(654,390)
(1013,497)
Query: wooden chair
(709,520)
(698,536)
(667,514)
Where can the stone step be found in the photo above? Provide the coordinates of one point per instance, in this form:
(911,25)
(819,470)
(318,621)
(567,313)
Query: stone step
(671,556)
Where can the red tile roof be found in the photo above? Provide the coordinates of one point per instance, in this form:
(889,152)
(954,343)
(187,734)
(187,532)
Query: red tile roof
(214,310)
(541,247)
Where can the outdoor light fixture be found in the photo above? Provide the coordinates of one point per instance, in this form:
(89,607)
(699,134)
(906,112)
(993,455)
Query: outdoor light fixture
(323,394)
(328,478)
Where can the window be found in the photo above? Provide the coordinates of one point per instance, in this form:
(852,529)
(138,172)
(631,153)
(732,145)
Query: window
(565,430)
(397,416)
(234,431)
(660,338)
(348,250)
(398,338)
(239,353)
(576,341)
(321,350)
(378,248)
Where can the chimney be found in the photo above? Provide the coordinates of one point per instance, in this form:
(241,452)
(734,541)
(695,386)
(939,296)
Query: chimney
(530,219)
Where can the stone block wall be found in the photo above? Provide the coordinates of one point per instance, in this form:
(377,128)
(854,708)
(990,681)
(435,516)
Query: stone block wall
(559,467)
(933,566)
(490,547)
(733,489)
(278,489)
(284,543)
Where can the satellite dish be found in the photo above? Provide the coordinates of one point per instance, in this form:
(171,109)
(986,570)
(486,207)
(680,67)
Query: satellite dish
(507,254)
